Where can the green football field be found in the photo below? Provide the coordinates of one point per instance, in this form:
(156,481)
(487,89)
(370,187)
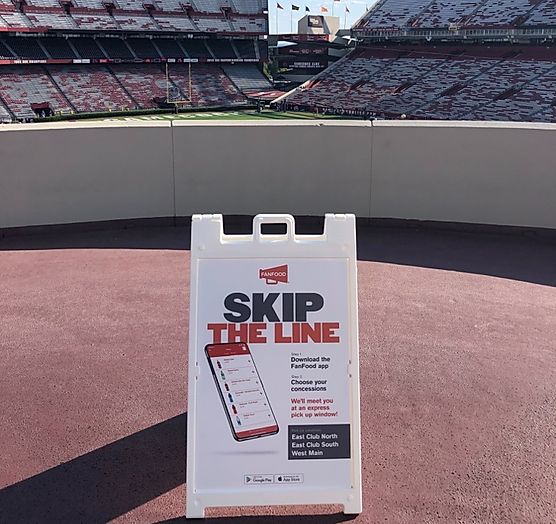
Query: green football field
(225,115)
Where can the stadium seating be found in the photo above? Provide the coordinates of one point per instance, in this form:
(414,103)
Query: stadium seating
(246,77)
(169,48)
(131,16)
(94,88)
(536,96)
(444,13)
(25,85)
(87,47)
(5,115)
(388,15)
(394,14)
(245,48)
(449,73)
(263,50)
(4,51)
(25,47)
(52,20)
(480,80)
(95,21)
(210,86)
(208,6)
(544,14)
(223,49)
(144,81)
(196,48)
(57,47)
(135,22)
(89,4)
(91,88)
(213,25)
(175,23)
(547,114)
(115,47)
(481,84)
(248,6)
(248,25)
(499,12)
(479,95)
(172,5)
(95,55)
(12,20)
(143,48)
(133,5)
(44,3)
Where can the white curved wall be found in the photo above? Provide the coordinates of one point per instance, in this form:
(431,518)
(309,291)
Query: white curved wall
(487,173)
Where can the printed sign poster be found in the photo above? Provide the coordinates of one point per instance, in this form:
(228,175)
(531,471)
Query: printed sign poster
(273,388)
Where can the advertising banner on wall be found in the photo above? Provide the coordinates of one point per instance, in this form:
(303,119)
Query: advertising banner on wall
(273,408)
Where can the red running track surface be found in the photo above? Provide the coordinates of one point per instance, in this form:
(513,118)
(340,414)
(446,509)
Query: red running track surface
(458,378)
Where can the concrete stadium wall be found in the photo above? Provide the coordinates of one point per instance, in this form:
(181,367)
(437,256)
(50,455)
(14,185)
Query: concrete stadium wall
(63,173)
(245,168)
(485,173)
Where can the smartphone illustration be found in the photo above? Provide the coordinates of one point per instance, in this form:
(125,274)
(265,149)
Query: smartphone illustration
(241,391)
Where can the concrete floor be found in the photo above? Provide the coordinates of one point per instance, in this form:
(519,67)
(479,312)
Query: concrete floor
(458,378)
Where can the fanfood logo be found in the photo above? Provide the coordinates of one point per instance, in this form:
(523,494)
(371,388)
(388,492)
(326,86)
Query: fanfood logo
(273,275)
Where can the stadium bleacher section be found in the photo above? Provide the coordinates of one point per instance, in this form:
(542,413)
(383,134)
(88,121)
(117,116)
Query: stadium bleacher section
(23,86)
(446,12)
(27,91)
(90,88)
(246,77)
(544,14)
(467,83)
(209,85)
(240,16)
(144,82)
(81,56)
(56,47)
(413,16)
(443,59)
(86,48)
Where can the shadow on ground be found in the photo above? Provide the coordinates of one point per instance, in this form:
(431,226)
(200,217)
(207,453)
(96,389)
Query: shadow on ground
(499,252)
(105,483)
(334,518)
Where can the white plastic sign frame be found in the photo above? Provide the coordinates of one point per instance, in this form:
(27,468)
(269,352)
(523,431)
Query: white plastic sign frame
(263,280)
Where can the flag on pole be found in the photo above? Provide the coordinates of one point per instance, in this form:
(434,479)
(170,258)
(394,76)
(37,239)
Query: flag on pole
(278,6)
(295,7)
(323,9)
(307,10)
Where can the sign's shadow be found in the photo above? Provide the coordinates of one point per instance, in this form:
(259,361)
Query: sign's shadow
(105,483)
(114,479)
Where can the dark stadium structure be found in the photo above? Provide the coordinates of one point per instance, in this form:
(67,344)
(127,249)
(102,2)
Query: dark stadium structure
(443,59)
(81,56)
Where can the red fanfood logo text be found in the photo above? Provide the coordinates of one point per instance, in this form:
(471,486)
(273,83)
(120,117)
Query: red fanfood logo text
(273,275)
